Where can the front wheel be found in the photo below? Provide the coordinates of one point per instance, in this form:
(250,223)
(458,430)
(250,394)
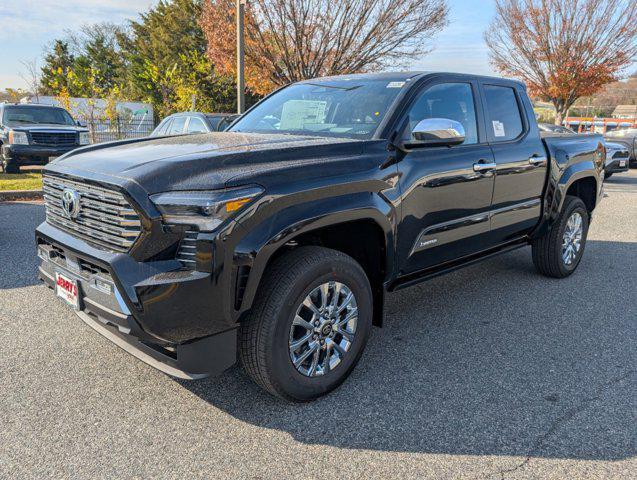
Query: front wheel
(309,325)
(558,253)
(10,167)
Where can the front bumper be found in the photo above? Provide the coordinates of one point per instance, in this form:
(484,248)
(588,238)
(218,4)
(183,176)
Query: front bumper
(617,165)
(33,154)
(154,310)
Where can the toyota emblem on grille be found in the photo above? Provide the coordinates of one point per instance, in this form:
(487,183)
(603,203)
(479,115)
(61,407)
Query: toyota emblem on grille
(71,203)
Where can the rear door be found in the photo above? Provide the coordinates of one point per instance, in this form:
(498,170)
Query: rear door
(446,190)
(520,157)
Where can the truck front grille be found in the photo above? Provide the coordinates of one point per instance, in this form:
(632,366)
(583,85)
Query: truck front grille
(61,139)
(105,217)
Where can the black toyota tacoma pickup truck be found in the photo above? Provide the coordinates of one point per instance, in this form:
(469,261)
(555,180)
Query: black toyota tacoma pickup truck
(274,242)
(33,134)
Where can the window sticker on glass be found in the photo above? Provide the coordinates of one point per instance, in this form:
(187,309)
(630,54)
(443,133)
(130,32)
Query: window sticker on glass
(395,84)
(498,129)
(297,113)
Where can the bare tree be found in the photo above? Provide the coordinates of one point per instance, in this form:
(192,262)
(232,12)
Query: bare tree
(291,40)
(32,77)
(563,49)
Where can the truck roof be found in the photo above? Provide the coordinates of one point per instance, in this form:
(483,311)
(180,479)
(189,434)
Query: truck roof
(405,76)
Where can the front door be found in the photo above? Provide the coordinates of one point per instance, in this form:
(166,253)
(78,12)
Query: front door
(446,191)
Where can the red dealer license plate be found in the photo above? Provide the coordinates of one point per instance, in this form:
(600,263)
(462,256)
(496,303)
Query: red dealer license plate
(66,289)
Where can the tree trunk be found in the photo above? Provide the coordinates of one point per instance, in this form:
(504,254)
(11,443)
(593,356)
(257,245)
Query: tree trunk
(559,116)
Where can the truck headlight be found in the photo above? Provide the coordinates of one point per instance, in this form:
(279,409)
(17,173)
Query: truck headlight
(18,138)
(84,138)
(203,209)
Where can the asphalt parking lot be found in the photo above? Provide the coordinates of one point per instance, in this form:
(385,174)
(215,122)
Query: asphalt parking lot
(489,372)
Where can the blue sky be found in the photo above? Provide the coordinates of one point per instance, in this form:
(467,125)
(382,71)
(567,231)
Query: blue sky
(29,25)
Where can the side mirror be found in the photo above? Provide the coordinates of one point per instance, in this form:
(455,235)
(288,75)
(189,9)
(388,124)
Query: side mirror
(437,132)
(80,123)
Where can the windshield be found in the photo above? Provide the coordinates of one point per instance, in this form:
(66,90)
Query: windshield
(340,108)
(22,115)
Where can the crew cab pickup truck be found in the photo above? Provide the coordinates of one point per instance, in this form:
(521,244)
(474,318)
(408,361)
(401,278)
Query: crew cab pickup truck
(34,134)
(274,243)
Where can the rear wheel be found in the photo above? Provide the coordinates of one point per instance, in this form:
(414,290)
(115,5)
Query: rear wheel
(558,253)
(309,325)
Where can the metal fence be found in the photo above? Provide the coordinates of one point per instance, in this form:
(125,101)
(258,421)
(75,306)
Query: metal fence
(106,130)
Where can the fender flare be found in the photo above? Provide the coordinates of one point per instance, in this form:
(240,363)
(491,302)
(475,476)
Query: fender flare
(557,188)
(572,174)
(263,240)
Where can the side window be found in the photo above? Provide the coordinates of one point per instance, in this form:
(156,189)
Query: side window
(453,101)
(214,123)
(177,127)
(225,123)
(504,121)
(196,125)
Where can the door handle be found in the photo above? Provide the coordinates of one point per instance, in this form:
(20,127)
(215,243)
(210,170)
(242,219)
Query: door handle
(484,167)
(536,160)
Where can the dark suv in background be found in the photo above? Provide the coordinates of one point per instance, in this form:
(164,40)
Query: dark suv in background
(34,134)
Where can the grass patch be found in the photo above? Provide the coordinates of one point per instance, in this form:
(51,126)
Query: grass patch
(20,181)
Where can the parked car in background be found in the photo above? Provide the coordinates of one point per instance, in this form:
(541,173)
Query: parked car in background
(33,134)
(617,154)
(552,128)
(628,138)
(193,122)
(617,159)
(275,241)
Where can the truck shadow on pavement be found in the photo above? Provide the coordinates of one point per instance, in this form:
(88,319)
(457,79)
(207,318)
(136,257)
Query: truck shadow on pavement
(490,360)
(621,183)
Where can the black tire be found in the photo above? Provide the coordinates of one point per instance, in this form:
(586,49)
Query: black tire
(264,336)
(11,168)
(547,250)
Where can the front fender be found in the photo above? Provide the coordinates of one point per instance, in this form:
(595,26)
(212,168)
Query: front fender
(257,248)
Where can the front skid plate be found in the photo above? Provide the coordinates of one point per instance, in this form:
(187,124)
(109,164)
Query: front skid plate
(144,357)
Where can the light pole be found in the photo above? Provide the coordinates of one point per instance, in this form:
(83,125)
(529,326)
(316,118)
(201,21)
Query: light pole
(240,57)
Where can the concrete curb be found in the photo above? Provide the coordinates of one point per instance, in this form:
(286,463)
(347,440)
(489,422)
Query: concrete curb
(16,195)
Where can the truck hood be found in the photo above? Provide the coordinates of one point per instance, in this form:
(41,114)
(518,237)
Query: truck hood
(198,162)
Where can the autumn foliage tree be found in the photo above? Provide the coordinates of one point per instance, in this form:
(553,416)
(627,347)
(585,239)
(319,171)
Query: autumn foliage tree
(291,40)
(563,49)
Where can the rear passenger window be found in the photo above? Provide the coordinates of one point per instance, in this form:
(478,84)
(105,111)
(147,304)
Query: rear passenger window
(504,120)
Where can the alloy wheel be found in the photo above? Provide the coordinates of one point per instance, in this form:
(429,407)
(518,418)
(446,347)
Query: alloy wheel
(323,329)
(572,238)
